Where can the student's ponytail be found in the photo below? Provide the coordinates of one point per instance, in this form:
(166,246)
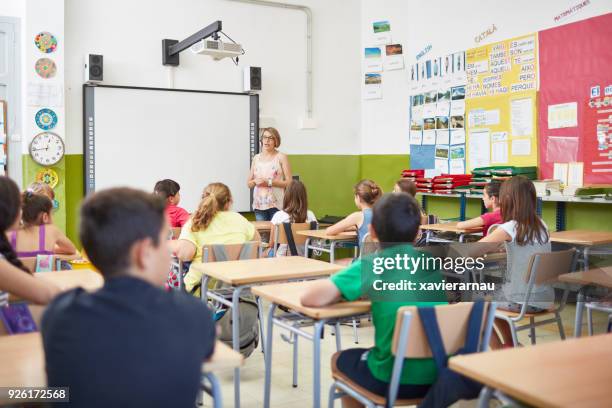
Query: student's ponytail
(10,202)
(215,198)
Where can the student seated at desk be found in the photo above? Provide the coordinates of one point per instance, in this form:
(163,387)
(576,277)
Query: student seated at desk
(395,220)
(524,234)
(129,344)
(14,276)
(404,185)
(490,198)
(212,223)
(295,210)
(38,235)
(366,193)
(169,190)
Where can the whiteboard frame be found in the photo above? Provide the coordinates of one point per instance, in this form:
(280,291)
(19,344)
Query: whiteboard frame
(89,128)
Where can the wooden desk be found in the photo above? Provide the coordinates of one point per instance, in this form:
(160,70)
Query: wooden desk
(592,277)
(596,277)
(325,242)
(244,274)
(582,237)
(448,227)
(69,279)
(23,362)
(289,295)
(570,373)
(263,270)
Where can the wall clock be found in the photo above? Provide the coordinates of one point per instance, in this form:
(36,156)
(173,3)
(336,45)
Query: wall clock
(47,148)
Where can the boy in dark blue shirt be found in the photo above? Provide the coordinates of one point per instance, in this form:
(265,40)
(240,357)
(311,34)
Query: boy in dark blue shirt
(129,344)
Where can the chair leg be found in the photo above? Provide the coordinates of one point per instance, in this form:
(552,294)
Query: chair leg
(355,334)
(590,320)
(332,395)
(560,325)
(294,384)
(532,333)
(515,342)
(260,311)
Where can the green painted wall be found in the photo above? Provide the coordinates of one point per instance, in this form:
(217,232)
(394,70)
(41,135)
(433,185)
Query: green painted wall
(383,169)
(74,195)
(329,180)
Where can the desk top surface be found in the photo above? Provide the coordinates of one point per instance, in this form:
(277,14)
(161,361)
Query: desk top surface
(69,279)
(574,372)
(321,234)
(597,277)
(23,361)
(582,237)
(262,270)
(289,294)
(450,227)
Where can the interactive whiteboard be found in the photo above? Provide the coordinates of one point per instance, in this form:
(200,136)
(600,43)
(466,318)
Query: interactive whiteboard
(137,136)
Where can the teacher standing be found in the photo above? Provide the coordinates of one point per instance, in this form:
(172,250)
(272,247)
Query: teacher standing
(270,174)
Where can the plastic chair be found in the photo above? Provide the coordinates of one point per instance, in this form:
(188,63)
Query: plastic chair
(279,236)
(410,341)
(543,268)
(605,307)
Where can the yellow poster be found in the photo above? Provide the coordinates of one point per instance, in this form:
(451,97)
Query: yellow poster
(501,103)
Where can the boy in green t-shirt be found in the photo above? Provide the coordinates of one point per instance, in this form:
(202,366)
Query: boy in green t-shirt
(390,278)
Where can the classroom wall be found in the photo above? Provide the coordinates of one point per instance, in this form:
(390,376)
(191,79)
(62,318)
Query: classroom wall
(450,26)
(273,38)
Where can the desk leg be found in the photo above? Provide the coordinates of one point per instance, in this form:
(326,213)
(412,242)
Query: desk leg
(579,313)
(236,340)
(338,340)
(461,237)
(332,252)
(485,397)
(585,256)
(306,247)
(316,360)
(268,357)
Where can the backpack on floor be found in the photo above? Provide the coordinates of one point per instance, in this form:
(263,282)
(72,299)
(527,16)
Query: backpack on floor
(249,326)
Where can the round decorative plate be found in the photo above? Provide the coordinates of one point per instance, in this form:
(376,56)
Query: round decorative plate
(46,42)
(46,119)
(45,68)
(48,176)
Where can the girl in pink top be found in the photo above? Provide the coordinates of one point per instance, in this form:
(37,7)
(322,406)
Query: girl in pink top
(270,174)
(490,199)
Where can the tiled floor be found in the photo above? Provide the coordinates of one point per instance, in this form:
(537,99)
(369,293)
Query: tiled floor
(285,396)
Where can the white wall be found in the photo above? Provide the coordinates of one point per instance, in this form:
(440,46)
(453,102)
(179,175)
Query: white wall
(449,26)
(129,34)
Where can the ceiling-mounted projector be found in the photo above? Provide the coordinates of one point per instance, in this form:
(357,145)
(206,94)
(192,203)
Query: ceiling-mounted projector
(217,49)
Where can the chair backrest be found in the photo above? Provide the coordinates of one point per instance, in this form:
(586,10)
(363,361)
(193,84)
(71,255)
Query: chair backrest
(231,252)
(280,237)
(367,245)
(452,321)
(547,266)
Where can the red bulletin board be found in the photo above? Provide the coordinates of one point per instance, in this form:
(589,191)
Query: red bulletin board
(574,60)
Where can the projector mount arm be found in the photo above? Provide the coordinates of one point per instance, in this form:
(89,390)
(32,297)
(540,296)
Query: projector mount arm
(172,48)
